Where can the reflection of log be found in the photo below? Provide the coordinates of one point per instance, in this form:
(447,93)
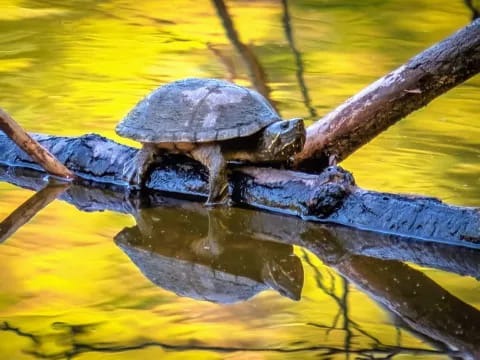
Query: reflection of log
(340,239)
(13,130)
(198,254)
(462,261)
(329,196)
(426,307)
(416,299)
(270,227)
(410,87)
(25,212)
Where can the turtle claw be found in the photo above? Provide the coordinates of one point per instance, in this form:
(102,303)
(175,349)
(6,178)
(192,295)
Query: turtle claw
(135,171)
(226,202)
(221,198)
(131,175)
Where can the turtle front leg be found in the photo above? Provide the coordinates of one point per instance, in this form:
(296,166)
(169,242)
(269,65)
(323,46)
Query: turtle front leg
(135,170)
(211,156)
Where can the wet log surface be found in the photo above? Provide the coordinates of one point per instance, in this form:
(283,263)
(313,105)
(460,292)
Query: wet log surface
(389,99)
(327,197)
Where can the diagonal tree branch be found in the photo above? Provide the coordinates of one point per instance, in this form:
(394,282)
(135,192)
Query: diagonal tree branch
(42,156)
(408,88)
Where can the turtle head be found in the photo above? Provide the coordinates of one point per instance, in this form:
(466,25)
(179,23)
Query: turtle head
(281,140)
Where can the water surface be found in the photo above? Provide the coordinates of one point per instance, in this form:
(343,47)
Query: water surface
(109,285)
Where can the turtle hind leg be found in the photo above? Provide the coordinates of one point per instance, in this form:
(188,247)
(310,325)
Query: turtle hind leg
(211,156)
(135,171)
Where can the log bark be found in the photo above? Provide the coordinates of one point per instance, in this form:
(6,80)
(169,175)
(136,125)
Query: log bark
(389,99)
(327,197)
(13,130)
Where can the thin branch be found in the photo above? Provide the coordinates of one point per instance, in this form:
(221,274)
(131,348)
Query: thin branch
(36,151)
(370,112)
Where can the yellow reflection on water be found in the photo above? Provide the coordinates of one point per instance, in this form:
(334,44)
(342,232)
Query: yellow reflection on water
(70,68)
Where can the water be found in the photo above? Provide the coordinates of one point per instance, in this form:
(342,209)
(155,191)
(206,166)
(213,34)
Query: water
(84,284)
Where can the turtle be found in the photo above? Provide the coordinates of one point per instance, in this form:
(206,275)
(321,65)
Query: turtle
(211,121)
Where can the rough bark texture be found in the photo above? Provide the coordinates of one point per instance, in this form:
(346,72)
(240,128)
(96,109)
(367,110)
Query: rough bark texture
(13,130)
(408,88)
(328,197)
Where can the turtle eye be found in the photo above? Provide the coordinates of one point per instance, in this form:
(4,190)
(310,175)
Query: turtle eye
(284,125)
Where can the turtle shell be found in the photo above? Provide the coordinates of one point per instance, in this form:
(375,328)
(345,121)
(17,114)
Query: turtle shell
(197,110)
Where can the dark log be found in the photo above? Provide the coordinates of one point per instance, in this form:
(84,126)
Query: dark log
(15,132)
(327,197)
(268,226)
(389,99)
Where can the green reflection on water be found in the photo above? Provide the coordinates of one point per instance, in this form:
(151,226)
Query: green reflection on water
(76,67)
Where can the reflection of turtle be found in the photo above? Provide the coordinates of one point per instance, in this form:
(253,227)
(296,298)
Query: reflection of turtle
(192,253)
(212,121)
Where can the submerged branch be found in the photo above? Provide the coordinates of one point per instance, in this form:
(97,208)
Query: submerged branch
(362,257)
(267,226)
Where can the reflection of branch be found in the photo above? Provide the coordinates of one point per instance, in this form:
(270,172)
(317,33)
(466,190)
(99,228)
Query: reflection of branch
(421,303)
(78,348)
(227,62)
(6,327)
(342,305)
(255,69)
(25,212)
(473,9)
(298,59)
